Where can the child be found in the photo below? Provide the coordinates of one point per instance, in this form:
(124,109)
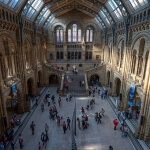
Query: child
(39,145)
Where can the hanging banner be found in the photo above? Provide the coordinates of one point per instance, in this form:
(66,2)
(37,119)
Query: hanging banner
(131,95)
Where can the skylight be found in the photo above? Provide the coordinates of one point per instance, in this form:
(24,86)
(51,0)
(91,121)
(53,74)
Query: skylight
(138,3)
(45,12)
(49,20)
(10,3)
(34,8)
(104,17)
(115,9)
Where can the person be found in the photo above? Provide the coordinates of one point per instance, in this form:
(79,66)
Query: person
(110,148)
(115,123)
(21,141)
(13,144)
(48,100)
(39,146)
(82,110)
(2,146)
(32,126)
(59,101)
(64,127)
(68,123)
(118,114)
(78,120)
(102,112)
(45,139)
(99,118)
(42,107)
(42,138)
(126,130)
(46,128)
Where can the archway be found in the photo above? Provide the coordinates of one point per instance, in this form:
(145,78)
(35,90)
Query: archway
(30,87)
(53,79)
(118,86)
(108,78)
(12,104)
(134,102)
(94,79)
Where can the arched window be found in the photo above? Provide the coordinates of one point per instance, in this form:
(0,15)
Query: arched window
(59,34)
(133,62)
(28,55)
(8,59)
(140,56)
(89,35)
(74,34)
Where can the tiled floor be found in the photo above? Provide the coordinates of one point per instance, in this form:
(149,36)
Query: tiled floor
(96,137)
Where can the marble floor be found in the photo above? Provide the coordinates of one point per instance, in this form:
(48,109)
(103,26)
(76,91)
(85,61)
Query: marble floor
(96,137)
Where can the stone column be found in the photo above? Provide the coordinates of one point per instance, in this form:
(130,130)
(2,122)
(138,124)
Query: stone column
(144,111)
(3,111)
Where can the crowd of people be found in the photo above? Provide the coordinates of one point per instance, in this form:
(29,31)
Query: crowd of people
(49,101)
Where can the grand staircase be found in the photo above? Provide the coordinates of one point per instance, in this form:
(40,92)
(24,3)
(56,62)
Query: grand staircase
(74,86)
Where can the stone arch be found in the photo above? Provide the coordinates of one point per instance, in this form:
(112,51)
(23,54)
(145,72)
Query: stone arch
(70,22)
(57,24)
(13,104)
(117,86)
(94,79)
(30,86)
(53,79)
(137,100)
(7,34)
(139,36)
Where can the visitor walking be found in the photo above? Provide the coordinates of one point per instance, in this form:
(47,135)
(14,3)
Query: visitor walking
(21,141)
(13,144)
(48,100)
(118,114)
(32,126)
(42,138)
(42,107)
(102,112)
(68,123)
(99,118)
(78,120)
(46,128)
(39,146)
(64,127)
(59,101)
(115,123)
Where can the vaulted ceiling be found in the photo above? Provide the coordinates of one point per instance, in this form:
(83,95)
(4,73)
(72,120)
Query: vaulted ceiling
(89,7)
(105,12)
